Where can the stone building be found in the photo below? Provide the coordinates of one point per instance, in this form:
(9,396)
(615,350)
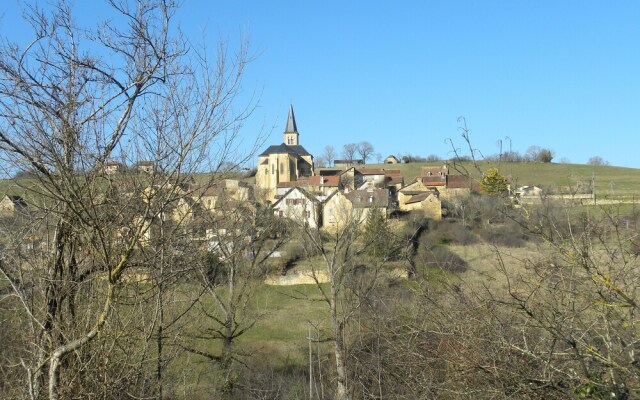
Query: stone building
(286,162)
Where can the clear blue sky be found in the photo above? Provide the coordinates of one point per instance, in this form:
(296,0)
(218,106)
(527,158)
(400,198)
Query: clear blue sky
(558,74)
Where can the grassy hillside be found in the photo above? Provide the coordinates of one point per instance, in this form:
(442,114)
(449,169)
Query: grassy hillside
(609,180)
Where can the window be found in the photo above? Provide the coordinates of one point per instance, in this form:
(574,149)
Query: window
(281,168)
(295,202)
(273,169)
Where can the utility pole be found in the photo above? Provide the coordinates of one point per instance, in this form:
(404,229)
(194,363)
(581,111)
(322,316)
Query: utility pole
(593,186)
(310,365)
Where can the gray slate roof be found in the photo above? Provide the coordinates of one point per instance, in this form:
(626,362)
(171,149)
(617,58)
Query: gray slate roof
(291,121)
(285,149)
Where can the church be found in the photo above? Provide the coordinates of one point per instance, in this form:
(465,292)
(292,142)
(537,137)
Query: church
(286,162)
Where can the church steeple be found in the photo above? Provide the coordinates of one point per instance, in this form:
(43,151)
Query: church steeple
(291,131)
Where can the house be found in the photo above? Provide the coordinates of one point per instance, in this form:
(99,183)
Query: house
(319,186)
(414,188)
(112,167)
(393,181)
(435,171)
(369,198)
(213,196)
(284,187)
(349,179)
(343,208)
(529,194)
(323,186)
(148,167)
(337,211)
(391,159)
(11,204)
(299,205)
(451,187)
(529,191)
(457,187)
(286,162)
(372,176)
(428,202)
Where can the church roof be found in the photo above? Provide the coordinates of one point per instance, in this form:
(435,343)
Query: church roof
(291,121)
(285,149)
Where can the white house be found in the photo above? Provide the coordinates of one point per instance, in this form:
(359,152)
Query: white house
(299,205)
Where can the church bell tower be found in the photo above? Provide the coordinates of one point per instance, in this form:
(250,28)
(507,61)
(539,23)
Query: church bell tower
(291,132)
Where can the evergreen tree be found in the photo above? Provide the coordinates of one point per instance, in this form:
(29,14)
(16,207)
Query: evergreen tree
(378,235)
(493,183)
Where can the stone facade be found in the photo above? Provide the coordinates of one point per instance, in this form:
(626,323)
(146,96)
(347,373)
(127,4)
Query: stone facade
(287,162)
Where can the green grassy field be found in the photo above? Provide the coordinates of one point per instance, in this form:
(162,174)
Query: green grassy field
(609,180)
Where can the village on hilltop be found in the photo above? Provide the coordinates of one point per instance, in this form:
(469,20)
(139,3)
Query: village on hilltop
(286,180)
(288,184)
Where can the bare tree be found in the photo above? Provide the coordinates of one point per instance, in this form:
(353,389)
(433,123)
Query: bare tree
(231,269)
(539,154)
(576,301)
(320,162)
(597,160)
(73,102)
(532,153)
(349,281)
(365,150)
(349,151)
(329,154)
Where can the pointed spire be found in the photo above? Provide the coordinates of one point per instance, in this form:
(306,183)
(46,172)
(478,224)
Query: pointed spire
(291,121)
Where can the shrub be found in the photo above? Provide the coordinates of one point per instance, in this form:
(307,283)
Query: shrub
(507,235)
(448,232)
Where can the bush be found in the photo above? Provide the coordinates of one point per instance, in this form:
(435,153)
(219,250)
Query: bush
(545,156)
(507,235)
(448,232)
(440,257)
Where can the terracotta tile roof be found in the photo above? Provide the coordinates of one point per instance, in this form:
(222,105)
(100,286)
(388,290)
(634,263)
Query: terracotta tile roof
(432,180)
(394,180)
(415,192)
(458,182)
(434,171)
(419,197)
(370,171)
(331,180)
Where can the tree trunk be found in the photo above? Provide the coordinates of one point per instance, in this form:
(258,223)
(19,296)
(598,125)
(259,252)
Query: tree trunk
(339,350)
